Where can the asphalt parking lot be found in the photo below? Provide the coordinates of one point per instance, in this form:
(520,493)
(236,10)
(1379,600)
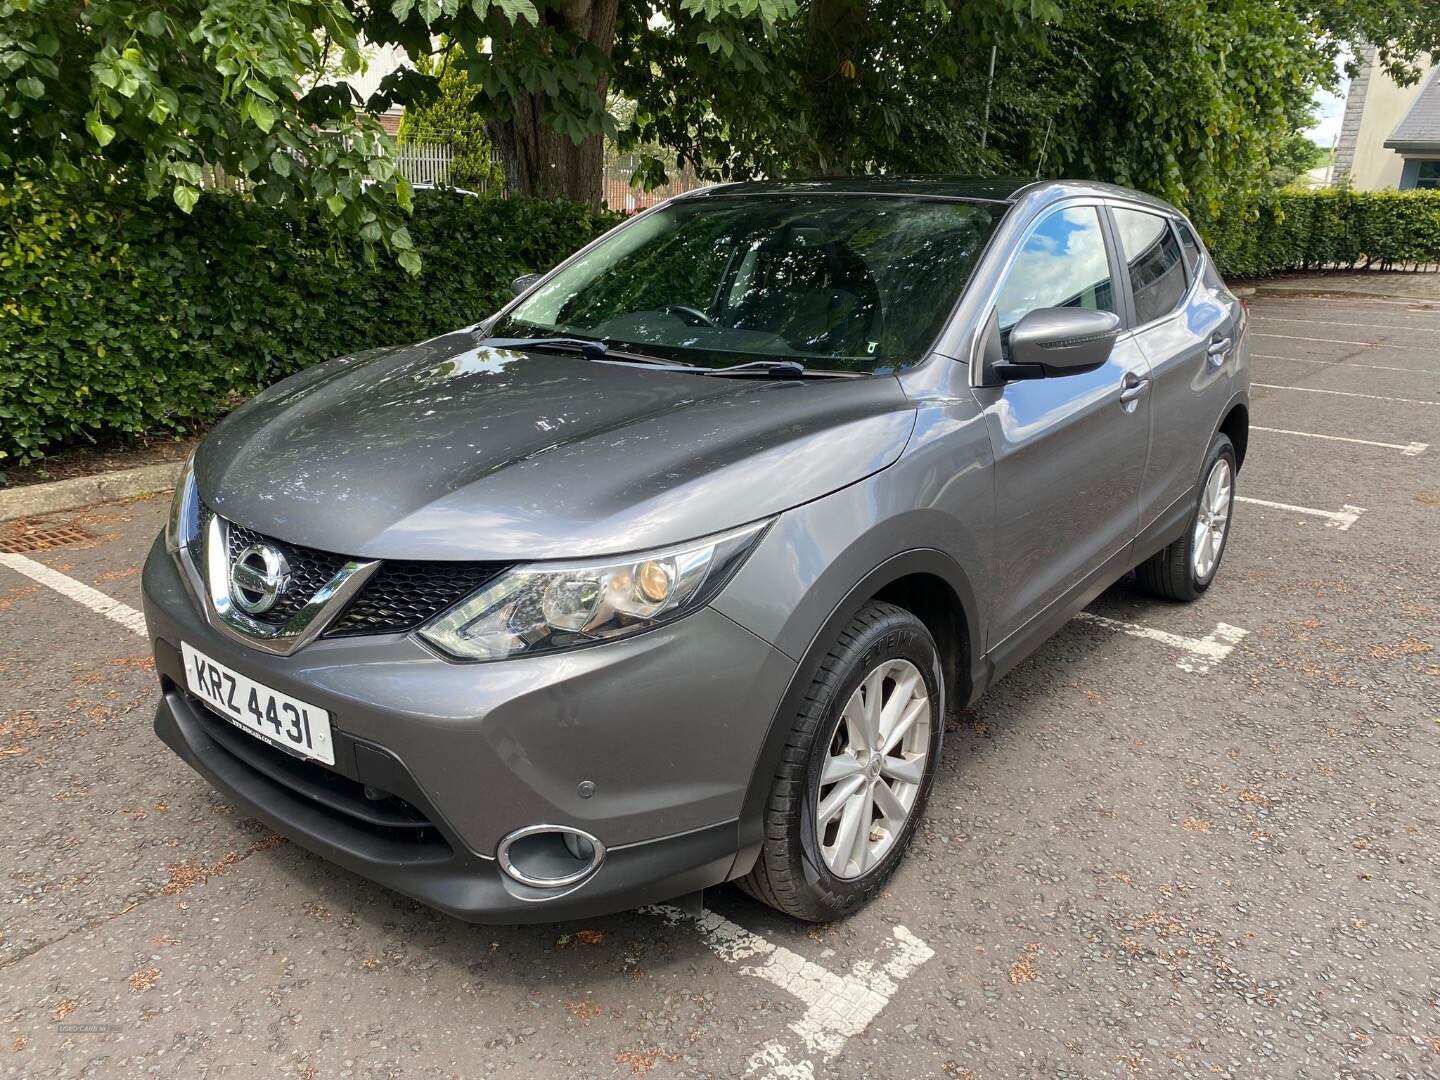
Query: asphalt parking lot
(1179,841)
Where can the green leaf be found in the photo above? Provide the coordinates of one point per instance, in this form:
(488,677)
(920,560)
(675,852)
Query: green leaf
(336,203)
(186,197)
(410,262)
(100,131)
(31,87)
(514,10)
(280,162)
(261,113)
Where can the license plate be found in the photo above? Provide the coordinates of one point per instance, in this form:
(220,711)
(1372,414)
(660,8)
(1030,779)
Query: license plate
(267,714)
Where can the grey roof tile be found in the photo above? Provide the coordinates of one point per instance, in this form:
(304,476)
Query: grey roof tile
(1419,128)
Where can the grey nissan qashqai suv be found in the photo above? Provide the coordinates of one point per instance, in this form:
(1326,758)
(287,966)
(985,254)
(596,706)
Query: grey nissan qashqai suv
(667,574)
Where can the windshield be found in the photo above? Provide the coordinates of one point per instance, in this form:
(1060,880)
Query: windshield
(847,282)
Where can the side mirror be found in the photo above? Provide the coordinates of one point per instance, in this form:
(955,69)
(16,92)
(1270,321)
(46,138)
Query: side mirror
(1059,341)
(523,282)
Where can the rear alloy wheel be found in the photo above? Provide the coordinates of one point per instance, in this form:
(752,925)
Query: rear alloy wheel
(1212,521)
(1186,568)
(856,769)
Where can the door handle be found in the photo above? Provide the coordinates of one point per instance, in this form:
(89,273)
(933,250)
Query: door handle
(1131,388)
(1218,348)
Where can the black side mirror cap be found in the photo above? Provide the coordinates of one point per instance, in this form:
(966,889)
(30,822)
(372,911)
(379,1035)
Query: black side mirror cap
(1059,341)
(523,282)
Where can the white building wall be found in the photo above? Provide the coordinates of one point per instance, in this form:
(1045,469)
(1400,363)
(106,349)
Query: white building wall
(1373,107)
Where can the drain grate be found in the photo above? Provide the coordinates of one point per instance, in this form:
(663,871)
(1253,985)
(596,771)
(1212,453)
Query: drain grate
(27,538)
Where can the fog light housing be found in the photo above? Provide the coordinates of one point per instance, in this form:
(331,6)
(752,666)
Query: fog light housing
(550,856)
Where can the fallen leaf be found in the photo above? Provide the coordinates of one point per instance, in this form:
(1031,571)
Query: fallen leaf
(144,979)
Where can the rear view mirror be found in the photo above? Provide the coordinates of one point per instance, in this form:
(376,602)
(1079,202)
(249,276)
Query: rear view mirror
(523,282)
(1059,341)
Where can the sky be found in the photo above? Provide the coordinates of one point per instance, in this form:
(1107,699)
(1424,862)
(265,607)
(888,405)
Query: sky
(1329,108)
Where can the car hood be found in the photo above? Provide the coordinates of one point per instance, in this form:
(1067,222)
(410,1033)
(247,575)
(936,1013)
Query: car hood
(453,450)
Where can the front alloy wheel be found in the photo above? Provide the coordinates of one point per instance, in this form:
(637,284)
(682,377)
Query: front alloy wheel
(856,768)
(877,760)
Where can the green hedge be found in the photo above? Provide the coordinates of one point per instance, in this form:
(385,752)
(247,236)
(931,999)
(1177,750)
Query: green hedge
(1308,230)
(119,317)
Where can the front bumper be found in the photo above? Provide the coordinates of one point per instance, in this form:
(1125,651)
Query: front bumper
(666,726)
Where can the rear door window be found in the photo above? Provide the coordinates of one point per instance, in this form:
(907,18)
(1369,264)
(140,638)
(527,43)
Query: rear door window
(1157,267)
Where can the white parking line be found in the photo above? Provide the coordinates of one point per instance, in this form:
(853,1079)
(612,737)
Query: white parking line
(94,599)
(1343,363)
(1340,519)
(837,1007)
(1346,393)
(1408,449)
(1401,301)
(1340,341)
(1332,322)
(1204,653)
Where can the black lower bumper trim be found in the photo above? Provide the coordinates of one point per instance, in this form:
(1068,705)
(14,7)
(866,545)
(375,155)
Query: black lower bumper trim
(446,875)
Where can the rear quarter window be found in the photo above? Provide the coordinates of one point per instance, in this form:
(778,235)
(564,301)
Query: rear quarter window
(1201,266)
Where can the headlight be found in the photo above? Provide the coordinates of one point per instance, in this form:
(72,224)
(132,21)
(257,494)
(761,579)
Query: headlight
(540,608)
(184,509)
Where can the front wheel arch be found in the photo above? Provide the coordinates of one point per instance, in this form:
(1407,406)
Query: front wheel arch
(899,576)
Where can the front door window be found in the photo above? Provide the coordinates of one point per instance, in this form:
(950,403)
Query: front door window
(1063,264)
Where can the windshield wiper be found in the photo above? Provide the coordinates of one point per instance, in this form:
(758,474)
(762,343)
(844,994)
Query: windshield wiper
(595,349)
(778,369)
(590,348)
(585,346)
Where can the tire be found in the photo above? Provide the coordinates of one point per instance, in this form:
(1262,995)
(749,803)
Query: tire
(794,871)
(1174,573)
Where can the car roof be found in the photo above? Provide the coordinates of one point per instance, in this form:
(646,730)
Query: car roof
(1000,189)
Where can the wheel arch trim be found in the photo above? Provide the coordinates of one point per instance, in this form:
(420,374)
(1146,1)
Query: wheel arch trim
(1239,400)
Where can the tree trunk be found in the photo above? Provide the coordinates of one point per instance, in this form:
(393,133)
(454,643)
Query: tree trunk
(834,41)
(538,160)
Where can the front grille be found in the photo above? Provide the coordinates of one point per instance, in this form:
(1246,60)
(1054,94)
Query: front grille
(399,597)
(404,595)
(310,571)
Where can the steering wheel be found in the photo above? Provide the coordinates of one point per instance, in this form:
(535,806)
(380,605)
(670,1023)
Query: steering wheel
(689,315)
